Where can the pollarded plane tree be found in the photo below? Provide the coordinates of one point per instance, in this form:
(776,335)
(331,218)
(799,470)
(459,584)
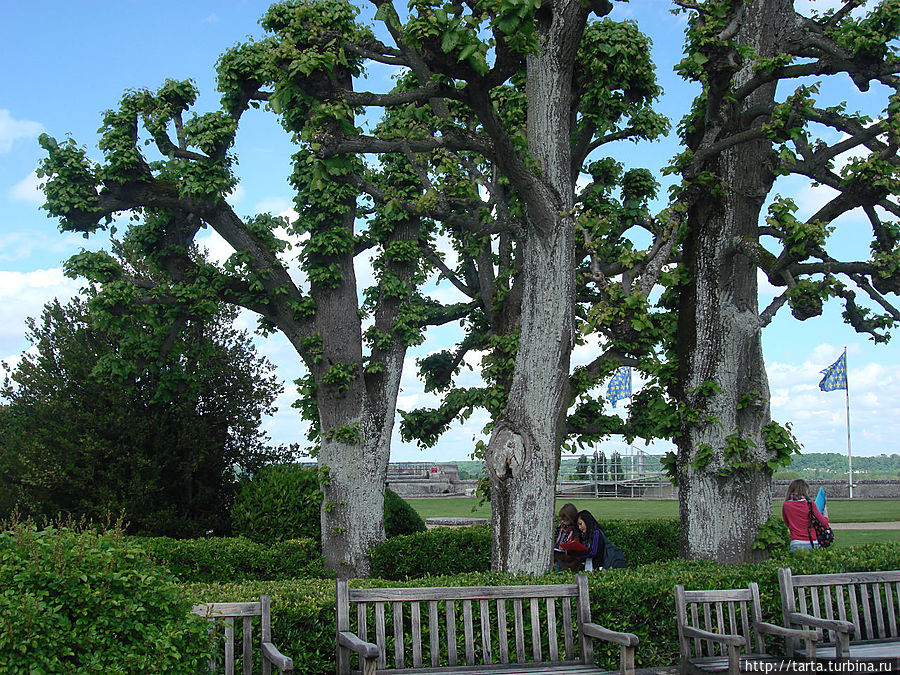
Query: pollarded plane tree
(613,87)
(761,65)
(353,368)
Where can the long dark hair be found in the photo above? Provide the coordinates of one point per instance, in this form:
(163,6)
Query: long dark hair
(590,525)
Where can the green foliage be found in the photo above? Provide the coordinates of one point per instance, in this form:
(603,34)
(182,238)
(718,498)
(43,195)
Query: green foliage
(90,602)
(235,558)
(773,536)
(283,502)
(128,415)
(399,517)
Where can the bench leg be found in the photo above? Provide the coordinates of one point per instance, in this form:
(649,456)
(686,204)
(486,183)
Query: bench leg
(370,665)
(734,660)
(626,660)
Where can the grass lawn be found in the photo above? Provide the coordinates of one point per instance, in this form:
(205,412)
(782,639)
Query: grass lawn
(855,511)
(858,537)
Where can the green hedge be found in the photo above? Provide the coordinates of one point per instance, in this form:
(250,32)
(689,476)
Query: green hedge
(85,602)
(446,550)
(234,559)
(638,600)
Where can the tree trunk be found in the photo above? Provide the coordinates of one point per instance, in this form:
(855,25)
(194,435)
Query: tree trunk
(522,455)
(724,486)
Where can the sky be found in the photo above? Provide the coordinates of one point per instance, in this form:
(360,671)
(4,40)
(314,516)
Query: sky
(63,63)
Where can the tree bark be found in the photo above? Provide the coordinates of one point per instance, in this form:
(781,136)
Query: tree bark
(723,505)
(522,454)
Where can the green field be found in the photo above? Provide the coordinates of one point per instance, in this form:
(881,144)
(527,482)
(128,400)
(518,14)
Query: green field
(855,511)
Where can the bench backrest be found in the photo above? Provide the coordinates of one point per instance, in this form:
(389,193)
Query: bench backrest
(468,626)
(724,612)
(870,600)
(223,626)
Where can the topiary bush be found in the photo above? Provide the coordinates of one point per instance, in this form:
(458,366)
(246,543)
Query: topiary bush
(89,602)
(282,502)
(399,517)
(237,558)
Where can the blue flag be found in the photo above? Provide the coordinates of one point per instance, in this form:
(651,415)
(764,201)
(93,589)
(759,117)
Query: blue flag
(835,375)
(619,386)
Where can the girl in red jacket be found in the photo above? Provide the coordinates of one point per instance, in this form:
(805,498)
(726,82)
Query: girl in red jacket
(795,513)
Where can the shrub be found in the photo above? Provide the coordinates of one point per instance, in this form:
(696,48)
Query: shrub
(237,559)
(282,502)
(88,602)
(639,601)
(399,516)
(445,550)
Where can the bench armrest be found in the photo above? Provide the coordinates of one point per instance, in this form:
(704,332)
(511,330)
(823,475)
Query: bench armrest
(598,632)
(735,640)
(842,627)
(366,650)
(276,658)
(797,633)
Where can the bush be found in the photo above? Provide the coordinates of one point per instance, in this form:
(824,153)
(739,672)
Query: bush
(399,517)
(282,502)
(639,601)
(445,550)
(236,559)
(85,602)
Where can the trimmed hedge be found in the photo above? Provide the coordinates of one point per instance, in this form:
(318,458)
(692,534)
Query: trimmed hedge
(445,550)
(85,602)
(639,601)
(236,559)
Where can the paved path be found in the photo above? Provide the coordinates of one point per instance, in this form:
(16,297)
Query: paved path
(886,525)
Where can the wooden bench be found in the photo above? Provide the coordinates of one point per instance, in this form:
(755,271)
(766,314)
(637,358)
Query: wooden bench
(723,630)
(858,612)
(223,615)
(476,630)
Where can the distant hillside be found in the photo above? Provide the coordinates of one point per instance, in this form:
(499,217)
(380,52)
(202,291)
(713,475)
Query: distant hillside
(812,465)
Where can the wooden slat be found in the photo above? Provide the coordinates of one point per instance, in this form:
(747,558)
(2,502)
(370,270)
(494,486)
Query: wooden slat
(380,638)
(399,647)
(461,593)
(536,630)
(745,623)
(854,608)
(434,633)
(362,627)
(720,621)
(451,631)
(247,651)
(707,618)
(829,602)
(485,616)
(842,611)
(229,646)
(568,636)
(502,632)
(891,609)
(868,631)
(520,631)
(416,625)
(879,615)
(225,609)
(695,622)
(468,632)
(551,629)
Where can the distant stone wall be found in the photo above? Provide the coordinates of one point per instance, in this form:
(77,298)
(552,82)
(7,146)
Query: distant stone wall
(837,489)
(427,480)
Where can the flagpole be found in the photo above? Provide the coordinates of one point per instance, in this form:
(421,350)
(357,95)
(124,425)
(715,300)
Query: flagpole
(849,454)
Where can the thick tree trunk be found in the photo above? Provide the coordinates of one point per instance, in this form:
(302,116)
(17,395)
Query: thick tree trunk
(522,454)
(725,489)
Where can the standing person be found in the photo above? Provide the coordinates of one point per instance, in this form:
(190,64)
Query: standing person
(795,513)
(566,531)
(591,537)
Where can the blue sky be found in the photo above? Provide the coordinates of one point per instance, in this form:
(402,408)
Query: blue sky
(66,62)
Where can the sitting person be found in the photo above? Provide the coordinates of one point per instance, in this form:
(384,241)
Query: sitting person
(566,532)
(593,539)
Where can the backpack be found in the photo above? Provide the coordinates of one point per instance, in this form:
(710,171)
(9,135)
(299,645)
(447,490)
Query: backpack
(824,535)
(613,556)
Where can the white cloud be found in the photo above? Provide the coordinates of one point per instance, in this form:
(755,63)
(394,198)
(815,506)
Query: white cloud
(211,18)
(12,130)
(27,190)
(24,294)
